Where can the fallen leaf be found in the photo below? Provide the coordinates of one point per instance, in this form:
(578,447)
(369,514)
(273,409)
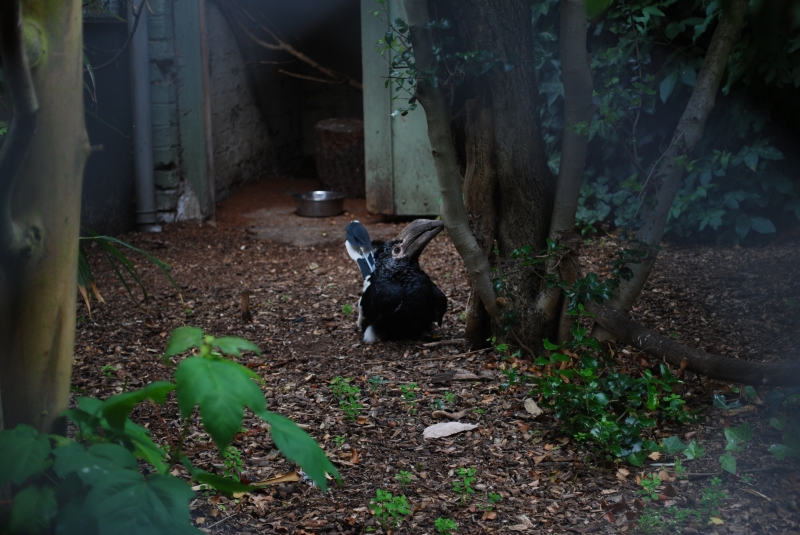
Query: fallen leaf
(286,478)
(489,515)
(532,408)
(361,420)
(663,475)
(354,458)
(715,520)
(539,458)
(200,520)
(445,429)
(623,472)
(656,455)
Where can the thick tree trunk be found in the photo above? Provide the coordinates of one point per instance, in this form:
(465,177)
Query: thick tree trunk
(41,206)
(677,354)
(665,181)
(508,188)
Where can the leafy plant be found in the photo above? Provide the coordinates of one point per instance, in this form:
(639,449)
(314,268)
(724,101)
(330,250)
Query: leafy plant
(389,511)
(338,440)
(403,477)
(445,526)
(232,463)
(409,395)
(463,485)
(347,309)
(348,396)
(375,382)
(108,370)
(94,484)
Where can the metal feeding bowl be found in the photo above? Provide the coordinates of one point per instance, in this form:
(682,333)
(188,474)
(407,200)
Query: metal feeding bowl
(319,203)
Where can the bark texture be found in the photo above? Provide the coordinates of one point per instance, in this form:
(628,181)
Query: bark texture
(663,185)
(712,366)
(37,288)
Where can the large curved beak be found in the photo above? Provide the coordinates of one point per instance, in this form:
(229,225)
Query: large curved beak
(417,235)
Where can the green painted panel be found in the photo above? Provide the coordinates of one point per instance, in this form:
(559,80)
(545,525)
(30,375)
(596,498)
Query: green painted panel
(401,178)
(190,104)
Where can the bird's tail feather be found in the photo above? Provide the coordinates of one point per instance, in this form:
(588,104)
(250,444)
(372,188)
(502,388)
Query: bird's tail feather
(359,247)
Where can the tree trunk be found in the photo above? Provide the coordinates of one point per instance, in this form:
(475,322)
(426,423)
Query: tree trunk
(509,188)
(41,208)
(663,185)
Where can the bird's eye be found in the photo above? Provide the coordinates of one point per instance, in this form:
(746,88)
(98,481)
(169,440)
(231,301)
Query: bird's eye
(396,250)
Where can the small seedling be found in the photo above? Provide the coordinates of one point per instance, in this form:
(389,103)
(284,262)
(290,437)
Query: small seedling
(449,398)
(463,485)
(286,297)
(375,382)
(338,440)
(347,309)
(463,316)
(493,499)
(232,464)
(403,477)
(389,510)
(649,484)
(409,396)
(445,526)
(108,370)
(188,312)
(348,396)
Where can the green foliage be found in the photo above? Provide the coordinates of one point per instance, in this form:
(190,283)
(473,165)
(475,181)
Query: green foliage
(348,396)
(409,395)
(603,408)
(375,382)
(403,477)
(94,484)
(347,309)
(445,526)
(338,440)
(463,484)
(389,511)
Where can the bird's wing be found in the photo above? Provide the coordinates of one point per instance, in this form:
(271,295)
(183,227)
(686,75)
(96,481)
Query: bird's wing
(359,247)
(381,301)
(439,305)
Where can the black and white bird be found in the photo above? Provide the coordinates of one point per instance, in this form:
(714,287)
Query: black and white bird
(399,300)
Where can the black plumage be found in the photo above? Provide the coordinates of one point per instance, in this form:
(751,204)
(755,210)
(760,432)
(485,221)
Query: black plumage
(399,300)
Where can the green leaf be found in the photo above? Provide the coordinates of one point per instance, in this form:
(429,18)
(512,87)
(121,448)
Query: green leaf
(299,447)
(653,10)
(781,451)
(231,345)
(742,225)
(728,463)
(24,452)
(688,76)
(778,423)
(637,459)
(222,389)
(123,502)
(595,7)
(672,445)
(751,160)
(92,465)
(743,433)
(183,339)
(550,346)
(117,408)
(667,85)
(762,225)
(694,450)
(33,510)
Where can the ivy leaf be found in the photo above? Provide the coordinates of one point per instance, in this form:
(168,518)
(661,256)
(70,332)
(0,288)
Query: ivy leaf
(673,445)
(728,463)
(694,450)
(25,452)
(231,345)
(299,447)
(183,339)
(33,510)
(667,85)
(123,502)
(637,458)
(762,225)
(222,389)
(781,451)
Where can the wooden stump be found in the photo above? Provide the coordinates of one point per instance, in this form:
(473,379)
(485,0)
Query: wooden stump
(339,147)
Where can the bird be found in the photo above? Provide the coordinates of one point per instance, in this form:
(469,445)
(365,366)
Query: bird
(398,300)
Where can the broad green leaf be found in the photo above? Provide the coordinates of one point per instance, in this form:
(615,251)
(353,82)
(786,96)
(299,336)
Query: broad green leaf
(602,398)
(24,453)
(778,423)
(728,463)
(232,345)
(95,464)
(667,85)
(299,447)
(751,160)
(769,152)
(743,433)
(595,7)
(33,510)
(637,459)
(117,408)
(672,445)
(688,76)
(183,339)
(694,450)
(550,346)
(123,502)
(781,451)
(762,225)
(222,389)
(742,225)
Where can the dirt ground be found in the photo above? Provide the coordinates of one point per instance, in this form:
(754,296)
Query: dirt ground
(740,302)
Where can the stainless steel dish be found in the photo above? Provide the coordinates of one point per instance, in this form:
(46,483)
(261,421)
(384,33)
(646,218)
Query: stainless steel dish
(319,203)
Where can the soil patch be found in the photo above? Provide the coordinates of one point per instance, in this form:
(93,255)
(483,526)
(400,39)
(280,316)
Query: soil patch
(738,302)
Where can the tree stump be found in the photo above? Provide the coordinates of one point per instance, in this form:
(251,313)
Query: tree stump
(339,148)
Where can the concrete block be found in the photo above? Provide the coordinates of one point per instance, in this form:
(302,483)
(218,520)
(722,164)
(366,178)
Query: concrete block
(163,93)
(165,156)
(165,136)
(166,200)
(161,50)
(167,179)
(164,115)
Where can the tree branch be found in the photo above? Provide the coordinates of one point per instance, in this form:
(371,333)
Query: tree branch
(25,108)
(437,112)
(665,183)
(712,366)
(282,45)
